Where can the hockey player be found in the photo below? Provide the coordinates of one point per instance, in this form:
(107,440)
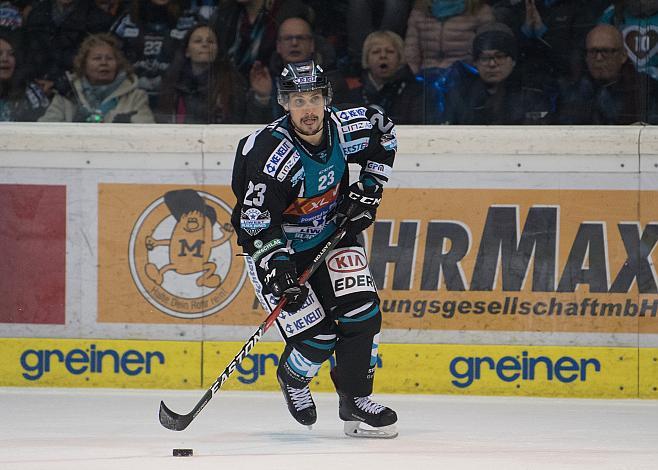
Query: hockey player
(291,181)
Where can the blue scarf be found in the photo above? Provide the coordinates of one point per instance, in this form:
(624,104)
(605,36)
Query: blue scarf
(444,9)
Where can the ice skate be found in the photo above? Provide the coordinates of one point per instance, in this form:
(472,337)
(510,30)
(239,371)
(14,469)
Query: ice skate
(365,418)
(300,402)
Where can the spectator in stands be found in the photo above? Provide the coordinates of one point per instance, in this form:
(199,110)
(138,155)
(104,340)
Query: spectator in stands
(151,32)
(20,99)
(102,89)
(248,28)
(496,95)
(114,8)
(366,16)
(551,34)
(439,34)
(611,91)
(638,22)
(203,87)
(11,14)
(54,30)
(387,80)
(296,42)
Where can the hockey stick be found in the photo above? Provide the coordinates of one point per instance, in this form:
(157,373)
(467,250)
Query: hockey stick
(177,422)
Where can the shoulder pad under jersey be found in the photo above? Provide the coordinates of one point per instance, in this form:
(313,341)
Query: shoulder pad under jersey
(273,152)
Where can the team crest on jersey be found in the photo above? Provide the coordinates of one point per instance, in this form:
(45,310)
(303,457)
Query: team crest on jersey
(181,255)
(253,221)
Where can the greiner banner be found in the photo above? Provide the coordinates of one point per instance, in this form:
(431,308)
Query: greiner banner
(449,259)
(464,369)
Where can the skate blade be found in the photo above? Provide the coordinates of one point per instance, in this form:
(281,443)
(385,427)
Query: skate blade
(359,429)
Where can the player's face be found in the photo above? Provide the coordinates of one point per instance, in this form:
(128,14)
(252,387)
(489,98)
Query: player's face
(307,111)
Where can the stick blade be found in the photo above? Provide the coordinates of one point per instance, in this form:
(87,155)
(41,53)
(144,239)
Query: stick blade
(172,420)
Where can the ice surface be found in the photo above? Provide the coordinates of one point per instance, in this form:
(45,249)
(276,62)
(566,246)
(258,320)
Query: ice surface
(96,429)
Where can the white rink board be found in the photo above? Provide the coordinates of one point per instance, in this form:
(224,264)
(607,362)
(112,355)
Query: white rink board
(82,156)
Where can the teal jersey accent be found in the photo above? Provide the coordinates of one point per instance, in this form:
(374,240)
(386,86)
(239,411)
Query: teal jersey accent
(321,177)
(307,220)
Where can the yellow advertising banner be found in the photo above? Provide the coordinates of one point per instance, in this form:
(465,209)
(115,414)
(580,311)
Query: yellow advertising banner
(167,254)
(99,363)
(444,259)
(547,371)
(595,372)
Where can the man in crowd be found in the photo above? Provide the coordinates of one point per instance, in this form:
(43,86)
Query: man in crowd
(611,91)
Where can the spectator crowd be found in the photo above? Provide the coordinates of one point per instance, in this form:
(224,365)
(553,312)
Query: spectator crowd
(423,61)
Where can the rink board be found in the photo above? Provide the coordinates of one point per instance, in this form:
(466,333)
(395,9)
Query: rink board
(508,261)
(595,372)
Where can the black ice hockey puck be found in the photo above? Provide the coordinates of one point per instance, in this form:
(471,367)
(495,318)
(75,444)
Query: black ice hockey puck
(183,452)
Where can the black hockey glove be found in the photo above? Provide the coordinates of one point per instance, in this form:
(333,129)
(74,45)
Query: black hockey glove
(359,206)
(281,280)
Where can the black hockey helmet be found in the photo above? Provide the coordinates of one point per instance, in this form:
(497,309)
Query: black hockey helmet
(302,76)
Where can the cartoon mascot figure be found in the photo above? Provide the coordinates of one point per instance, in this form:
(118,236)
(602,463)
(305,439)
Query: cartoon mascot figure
(191,241)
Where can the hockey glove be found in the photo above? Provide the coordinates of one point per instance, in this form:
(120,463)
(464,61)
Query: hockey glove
(281,280)
(359,207)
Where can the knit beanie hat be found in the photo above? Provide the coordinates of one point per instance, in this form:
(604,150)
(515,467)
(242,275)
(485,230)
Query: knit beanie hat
(495,36)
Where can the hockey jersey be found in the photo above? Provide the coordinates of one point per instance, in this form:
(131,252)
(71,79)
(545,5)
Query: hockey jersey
(287,193)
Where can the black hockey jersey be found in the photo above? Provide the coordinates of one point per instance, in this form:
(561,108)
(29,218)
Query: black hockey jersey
(286,196)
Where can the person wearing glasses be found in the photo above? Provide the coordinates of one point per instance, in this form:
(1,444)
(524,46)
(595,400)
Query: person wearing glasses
(497,93)
(611,91)
(296,42)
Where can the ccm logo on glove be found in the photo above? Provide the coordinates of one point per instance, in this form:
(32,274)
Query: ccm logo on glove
(365,200)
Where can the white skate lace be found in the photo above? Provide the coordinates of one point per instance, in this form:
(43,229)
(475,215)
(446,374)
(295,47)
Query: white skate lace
(369,406)
(300,397)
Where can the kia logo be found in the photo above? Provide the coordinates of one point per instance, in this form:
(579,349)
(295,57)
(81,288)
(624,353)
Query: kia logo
(347,261)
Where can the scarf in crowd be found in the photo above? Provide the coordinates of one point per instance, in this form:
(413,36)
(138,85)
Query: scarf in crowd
(97,94)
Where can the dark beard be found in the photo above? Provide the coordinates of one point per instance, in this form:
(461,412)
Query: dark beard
(308,134)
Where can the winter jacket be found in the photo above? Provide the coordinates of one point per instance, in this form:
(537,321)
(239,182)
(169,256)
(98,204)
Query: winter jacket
(27,107)
(513,103)
(401,97)
(557,50)
(51,47)
(640,38)
(433,43)
(126,104)
(192,103)
(150,44)
(629,100)
(247,43)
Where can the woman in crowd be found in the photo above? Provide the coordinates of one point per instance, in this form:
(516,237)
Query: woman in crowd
(202,87)
(103,87)
(387,80)
(439,34)
(20,99)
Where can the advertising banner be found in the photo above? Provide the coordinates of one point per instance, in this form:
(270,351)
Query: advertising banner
(442,259)
(458,369)
(517,260)
(168,254)
(32,253)
(99,363)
